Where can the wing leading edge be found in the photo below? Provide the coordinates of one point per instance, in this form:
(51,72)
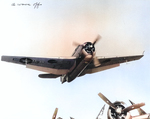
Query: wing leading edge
(51,65)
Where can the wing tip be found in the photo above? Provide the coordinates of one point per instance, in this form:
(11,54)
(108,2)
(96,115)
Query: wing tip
(4,58)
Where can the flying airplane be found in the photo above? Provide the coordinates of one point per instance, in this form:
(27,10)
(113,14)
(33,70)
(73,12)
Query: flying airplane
(83,61)
(117,110)
(142,113)
(55,114)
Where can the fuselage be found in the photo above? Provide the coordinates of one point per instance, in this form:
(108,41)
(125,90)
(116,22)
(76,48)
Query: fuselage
(84,55)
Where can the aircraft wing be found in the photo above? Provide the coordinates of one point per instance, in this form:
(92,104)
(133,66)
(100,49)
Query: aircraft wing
(56,66)
(107,63)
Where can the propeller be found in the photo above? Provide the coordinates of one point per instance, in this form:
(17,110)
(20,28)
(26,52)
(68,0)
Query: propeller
(141,112)
(120,110)
(95,59)
(132,107)
(76,44)
(55,113)
(90,48)
(106,100)
(97,39)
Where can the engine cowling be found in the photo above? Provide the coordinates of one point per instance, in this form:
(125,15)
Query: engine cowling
(116,113)
(117,110)
(89,48)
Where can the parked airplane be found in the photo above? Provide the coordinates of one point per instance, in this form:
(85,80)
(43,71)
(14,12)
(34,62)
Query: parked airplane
(117,110)
(83,61)
(142,113)
(55,114)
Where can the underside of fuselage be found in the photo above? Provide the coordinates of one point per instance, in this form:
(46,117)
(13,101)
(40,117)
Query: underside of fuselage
(84,55)
(75,72)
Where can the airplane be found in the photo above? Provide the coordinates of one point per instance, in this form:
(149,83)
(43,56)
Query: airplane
(55,114)
(117,110)
(83,61)
(142,113)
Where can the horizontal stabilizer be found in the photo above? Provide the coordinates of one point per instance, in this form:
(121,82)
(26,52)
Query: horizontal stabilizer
(48,76)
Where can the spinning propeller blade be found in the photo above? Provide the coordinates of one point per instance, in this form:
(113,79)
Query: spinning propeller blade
(97,39)
(141,112)
(132,107)
(76,44)
(55,113)
(106,100)
(96,62)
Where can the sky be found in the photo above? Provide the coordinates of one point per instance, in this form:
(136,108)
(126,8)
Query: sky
(49,31)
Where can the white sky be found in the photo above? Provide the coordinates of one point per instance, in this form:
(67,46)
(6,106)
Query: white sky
(49,31)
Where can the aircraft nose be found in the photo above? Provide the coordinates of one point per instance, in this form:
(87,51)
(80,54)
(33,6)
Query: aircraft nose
(89,48)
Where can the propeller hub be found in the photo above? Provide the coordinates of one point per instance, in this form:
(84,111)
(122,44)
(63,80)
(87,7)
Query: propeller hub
(117,112)
(89,47)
